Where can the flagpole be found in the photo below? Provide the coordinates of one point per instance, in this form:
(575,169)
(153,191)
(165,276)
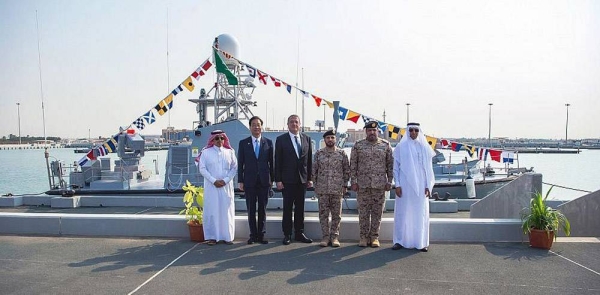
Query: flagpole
(303,121)
(297,66)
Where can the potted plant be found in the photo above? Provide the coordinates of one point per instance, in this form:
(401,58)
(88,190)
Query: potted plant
(542,222)
(193,199)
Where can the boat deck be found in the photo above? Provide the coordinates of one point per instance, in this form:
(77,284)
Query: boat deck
(175,211)
(80,265)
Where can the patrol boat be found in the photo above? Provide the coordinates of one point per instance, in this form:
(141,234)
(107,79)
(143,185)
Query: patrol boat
(223,107)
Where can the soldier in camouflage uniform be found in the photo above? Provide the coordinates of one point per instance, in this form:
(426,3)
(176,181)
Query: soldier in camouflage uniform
(331,173)
(371,169)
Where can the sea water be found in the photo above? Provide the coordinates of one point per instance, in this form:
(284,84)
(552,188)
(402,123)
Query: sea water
(25,172)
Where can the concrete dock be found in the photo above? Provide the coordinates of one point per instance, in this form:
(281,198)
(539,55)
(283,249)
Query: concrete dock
(81,265)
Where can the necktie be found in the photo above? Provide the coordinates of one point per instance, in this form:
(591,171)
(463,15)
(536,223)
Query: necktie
(256,148)
(298,146)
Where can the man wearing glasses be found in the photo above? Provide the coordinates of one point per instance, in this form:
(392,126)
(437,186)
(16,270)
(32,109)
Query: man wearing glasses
(218,166)
(371,176)
(414,178)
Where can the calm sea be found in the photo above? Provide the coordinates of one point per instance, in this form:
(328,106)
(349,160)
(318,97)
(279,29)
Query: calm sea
(24,171)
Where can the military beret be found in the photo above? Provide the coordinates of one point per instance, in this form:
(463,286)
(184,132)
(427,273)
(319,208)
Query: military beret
(328,133)
(371,124)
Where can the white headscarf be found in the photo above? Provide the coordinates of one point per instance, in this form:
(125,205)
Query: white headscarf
(407,151)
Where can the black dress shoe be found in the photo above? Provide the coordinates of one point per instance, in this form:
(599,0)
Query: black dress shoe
(287,239)
(262,241)
(301,237)
(397,247)
(424,249)
(251,241)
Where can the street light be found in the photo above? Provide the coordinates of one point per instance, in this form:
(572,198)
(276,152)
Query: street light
(567,124)
(19,119)
(407,105)
(490,126)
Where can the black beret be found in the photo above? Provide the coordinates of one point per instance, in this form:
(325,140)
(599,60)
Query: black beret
(371,124)
(328,133)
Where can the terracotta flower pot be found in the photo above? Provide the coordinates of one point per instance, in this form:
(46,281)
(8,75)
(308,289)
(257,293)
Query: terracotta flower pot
(541,239)
(196,232)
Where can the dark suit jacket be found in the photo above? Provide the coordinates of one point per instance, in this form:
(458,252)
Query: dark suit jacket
(288,167)
(250,168)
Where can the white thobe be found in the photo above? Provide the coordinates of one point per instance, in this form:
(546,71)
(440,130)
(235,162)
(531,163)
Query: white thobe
(413,173)
(219,206)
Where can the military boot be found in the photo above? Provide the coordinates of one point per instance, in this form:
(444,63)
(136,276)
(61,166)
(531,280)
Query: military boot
(324,242)
(363,242)
(335,243)
(375,243)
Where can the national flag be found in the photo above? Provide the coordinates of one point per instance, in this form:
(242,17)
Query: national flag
(483,152)
(393,131)
(139,123)
(342,112)
(317,99)
(275,82)
(177,90)
(188,84)
(496,155)
(263,77)
(456,146)
(508,157)
(251,71)
(149,117)
(201,70)
(352,116)
(470,150)
(432,141)
(222,68)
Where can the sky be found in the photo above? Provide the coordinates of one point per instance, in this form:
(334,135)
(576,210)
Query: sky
(104,63)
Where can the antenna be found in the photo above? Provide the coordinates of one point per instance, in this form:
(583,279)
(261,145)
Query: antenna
(37,29)
(168,78)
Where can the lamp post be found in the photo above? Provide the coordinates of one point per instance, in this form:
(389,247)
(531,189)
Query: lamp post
(490,125)
(19,119)
(407,120)
(567,123)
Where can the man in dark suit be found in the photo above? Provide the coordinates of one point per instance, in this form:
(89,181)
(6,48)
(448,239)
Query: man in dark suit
(293,169)
(255,174)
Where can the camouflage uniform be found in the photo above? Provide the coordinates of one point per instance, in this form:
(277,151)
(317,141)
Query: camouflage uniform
(371,167)
(331,173)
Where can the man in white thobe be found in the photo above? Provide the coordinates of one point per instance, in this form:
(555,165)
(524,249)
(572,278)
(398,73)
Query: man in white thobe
(414,178)
(218,166)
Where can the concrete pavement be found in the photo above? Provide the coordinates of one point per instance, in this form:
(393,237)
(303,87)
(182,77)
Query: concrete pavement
(81,265)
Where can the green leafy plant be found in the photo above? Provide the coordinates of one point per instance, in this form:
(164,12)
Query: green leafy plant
(540,216)
(193,199)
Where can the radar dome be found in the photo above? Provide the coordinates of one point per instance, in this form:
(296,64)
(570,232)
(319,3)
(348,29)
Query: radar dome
(230,45)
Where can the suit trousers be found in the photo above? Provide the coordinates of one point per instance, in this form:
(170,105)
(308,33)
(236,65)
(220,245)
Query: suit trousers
(293,200)
(253,195)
